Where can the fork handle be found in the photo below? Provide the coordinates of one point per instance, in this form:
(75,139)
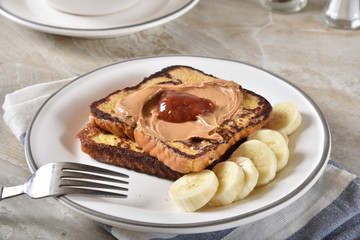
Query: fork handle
(8,192)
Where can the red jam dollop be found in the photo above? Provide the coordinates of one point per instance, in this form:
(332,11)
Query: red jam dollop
(177,107)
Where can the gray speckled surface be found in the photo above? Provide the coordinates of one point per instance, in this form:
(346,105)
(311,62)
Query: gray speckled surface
(301,48)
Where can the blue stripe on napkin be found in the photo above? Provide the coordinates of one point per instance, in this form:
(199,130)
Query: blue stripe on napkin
(22,138)
(108,228)
(332,162)
(200,236)
(349,230)
(345,210)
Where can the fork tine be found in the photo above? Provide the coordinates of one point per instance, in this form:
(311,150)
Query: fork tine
(78,183)
(97,192)
(90,176)
(69,166)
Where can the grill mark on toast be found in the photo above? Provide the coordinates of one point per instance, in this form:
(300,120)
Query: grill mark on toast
(203,150)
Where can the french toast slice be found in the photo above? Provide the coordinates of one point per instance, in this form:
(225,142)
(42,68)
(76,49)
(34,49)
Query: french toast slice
(108,148)
(190,155)
(102,112)
(196,154)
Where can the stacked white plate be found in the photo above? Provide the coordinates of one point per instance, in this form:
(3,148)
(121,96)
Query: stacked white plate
(38,15)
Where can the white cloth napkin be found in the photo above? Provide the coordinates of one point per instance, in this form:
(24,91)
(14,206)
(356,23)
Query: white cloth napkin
(329,210)
(20,106)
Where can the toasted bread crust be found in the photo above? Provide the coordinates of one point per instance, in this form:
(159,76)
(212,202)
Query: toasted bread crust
(113,125)
(122,154)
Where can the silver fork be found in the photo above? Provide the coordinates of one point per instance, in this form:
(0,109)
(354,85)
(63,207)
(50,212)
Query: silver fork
(55,179)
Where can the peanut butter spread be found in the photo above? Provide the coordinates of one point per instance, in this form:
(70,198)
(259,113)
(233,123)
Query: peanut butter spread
(140,110)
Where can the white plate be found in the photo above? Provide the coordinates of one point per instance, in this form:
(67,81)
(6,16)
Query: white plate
(38,15)
(50,138)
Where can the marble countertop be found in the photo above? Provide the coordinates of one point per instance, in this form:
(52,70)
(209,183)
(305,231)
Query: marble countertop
(322,61)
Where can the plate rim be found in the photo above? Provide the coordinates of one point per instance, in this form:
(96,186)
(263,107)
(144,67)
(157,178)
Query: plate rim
(280,203)
(67,31)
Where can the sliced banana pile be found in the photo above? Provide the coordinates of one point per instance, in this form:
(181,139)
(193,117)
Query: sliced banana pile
(254,164)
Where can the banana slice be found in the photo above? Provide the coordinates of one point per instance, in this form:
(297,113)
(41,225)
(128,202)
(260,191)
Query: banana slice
(285,118)
(194,190)
(276,141)
(231,181)
(251,175)
(263,158)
